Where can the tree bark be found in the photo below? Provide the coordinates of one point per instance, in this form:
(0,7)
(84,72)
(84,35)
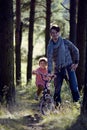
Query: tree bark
(18,38)
(48,17)
(7,89)
(81,42)
(84,103)
(73,21)
(30,40)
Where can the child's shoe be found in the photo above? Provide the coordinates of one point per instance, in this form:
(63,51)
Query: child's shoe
(36,97)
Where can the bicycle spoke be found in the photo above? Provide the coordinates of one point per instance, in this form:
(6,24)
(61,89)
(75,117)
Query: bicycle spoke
(46,106)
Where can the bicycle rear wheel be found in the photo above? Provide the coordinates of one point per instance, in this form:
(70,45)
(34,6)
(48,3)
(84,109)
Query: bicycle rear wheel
(46,106)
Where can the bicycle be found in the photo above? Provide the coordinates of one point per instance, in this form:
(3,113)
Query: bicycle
(46,101)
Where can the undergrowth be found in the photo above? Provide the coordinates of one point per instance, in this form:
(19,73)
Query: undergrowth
(25,114)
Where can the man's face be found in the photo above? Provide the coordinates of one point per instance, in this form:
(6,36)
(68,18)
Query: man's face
(54,35)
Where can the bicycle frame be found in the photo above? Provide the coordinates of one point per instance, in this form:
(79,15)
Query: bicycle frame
(46,101)
(46,90)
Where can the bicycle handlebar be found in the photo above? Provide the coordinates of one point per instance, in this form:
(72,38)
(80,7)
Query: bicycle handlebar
(49,77)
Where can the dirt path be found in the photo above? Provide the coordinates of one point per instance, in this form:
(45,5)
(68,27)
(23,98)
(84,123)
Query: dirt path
(25,115)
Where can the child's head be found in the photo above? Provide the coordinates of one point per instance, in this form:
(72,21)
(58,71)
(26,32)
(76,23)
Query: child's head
(43,62)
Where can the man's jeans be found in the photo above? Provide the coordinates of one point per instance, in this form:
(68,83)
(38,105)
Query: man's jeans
(60,75)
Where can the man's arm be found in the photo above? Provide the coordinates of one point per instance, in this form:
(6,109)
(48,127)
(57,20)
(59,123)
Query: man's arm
(74,52)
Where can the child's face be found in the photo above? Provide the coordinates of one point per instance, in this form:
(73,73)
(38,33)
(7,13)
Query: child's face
(42,64)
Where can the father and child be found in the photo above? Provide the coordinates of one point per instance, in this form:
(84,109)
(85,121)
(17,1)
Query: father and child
(65,56)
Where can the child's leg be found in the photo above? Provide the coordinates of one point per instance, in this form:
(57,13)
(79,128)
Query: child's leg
(39,90)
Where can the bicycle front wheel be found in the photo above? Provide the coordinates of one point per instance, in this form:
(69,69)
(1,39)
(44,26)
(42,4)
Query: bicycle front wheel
(46,106)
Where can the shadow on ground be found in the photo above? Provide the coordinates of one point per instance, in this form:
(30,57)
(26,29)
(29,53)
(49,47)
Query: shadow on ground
(28,122)
(80,124)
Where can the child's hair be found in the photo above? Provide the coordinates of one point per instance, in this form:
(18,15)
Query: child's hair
(43,59)
(57,28)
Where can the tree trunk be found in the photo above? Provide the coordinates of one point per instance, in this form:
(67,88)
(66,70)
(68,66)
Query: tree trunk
(84,103)
(18,34)
(81,43)
(30,40)
(73,21)
(7,89)
(48,16)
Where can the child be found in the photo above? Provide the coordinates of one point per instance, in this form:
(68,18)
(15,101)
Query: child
(40,83)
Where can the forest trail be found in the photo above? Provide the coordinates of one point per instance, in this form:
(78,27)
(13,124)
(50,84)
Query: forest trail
(25,115)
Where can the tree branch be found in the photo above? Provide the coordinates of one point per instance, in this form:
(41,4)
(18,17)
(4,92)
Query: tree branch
(65,7)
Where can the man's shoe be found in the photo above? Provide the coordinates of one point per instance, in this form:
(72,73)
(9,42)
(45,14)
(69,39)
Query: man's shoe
(57,105)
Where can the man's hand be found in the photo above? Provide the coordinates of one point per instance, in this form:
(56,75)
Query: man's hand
(74,66)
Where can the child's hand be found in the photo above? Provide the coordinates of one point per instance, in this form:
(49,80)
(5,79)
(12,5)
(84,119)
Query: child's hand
(34,72)
(49,75)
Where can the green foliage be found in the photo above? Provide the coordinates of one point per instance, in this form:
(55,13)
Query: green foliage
(23,54)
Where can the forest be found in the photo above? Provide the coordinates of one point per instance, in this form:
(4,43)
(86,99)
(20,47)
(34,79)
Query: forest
(24,37)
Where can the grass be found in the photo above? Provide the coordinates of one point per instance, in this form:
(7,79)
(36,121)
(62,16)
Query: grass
(25,114)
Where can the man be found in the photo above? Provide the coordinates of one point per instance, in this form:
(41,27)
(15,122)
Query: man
(65,56)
